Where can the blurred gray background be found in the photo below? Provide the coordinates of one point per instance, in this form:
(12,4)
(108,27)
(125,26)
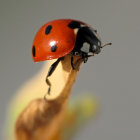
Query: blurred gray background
(113,76)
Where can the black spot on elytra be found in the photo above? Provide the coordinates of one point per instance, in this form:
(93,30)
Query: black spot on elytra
(33,51)
(53,48)
(48,29)
(74,24)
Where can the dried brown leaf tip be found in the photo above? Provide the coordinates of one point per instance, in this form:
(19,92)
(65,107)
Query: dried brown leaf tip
(41,119)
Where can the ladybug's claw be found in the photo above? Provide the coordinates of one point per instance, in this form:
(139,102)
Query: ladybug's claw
(76,65)
(85,59)
(73,67)
(72,64)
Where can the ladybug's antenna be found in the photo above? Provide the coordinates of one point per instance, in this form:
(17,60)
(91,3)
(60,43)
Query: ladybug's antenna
(108,44)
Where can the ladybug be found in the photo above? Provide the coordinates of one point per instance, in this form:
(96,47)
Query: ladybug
(58,38)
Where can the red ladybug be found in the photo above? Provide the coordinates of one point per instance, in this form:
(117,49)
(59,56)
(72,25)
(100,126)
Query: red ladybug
(58,38)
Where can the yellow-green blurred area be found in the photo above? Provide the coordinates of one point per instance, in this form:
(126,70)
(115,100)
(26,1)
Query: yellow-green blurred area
(112,76)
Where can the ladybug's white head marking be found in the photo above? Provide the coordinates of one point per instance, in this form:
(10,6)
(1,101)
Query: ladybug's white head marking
(85,48)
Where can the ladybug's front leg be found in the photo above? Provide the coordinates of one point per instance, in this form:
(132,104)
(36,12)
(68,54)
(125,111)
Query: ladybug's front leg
(51,70)
(72,64)
(83,59)
(75,66)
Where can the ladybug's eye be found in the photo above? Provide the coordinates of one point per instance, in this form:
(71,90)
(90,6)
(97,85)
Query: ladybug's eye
(48,29)
(99,43)
(33,51)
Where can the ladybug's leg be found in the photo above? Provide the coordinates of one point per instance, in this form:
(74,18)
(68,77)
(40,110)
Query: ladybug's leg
(84,59)
(75,66)
(51,70)
(72,63)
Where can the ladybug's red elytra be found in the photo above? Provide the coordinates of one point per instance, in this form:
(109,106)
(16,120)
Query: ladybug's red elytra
(58,38)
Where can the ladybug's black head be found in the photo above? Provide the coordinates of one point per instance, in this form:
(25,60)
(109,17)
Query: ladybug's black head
(95,46)
(93,39)
(96,43)
(97,49)
(87,39)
